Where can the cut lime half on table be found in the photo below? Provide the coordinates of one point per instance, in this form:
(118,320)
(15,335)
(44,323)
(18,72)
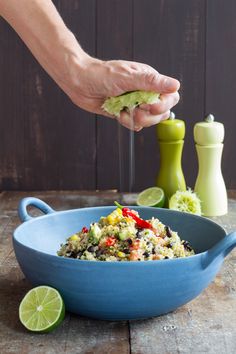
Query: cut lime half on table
(42,309)
(152,197)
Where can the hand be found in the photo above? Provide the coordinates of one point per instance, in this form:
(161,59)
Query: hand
(87,81)
(96,80)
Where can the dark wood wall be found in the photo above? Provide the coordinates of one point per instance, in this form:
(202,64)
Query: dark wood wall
(48,143)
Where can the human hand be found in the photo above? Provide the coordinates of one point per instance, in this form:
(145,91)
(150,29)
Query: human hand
(96,80)
(87,81)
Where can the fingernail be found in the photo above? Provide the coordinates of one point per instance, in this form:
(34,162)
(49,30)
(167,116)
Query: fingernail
(171,84)
(137,128)
(145,107)
(165,115)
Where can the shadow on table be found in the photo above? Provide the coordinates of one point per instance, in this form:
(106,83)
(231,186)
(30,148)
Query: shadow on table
(12,290)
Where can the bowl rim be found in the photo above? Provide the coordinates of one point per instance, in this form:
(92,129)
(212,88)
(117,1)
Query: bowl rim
(85,261)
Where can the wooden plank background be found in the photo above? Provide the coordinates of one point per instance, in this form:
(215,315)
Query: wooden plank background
(48,143)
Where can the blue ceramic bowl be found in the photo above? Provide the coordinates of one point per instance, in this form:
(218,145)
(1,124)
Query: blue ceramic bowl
(118,290)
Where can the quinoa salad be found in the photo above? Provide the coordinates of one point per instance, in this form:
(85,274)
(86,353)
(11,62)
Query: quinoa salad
(124,236)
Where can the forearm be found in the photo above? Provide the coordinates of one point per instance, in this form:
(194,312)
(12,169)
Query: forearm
(42,29)
(87,81)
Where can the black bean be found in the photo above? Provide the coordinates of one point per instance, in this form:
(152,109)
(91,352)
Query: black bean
(99,252)
(166,257)
(170,245)
(129,241)
(187,246)
(146,254)
(91,249)
(153,250)
(79,254)
(168,231)
(138,233)
(126,250)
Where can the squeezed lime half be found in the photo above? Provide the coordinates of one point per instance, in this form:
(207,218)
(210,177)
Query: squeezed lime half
(42,309)
(186,201)
(152,197)
(114,105)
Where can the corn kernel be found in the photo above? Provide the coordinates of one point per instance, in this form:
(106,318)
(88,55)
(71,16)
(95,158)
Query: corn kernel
(119,211)
(111,220)
(121,254)
(127,219)
(74,237)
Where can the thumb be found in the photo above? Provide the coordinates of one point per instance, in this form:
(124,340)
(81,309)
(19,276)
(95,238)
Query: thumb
(163,84)
(153,81)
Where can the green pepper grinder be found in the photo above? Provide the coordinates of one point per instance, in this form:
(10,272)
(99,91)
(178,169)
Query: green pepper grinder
(210,185)
(170,134)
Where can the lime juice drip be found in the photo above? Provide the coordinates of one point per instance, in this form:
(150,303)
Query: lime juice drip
(121,159)
(114,105)
(131,153)
(126,165)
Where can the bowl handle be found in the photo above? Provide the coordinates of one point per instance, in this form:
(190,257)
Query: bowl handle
(38,203)
(221,249)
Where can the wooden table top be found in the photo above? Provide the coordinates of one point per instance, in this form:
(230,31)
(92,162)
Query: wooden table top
(205,325)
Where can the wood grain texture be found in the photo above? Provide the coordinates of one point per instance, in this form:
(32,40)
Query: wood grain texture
(114,41)
(221,76)
(205,325)
(48,143)
(169,35)
(12,108)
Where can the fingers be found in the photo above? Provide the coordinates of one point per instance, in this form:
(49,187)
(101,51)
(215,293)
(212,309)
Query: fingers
(145,119)
(140,119)
(128,121)
(165,103)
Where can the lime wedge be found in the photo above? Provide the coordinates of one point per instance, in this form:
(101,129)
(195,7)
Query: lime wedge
(153,196)
(42,309)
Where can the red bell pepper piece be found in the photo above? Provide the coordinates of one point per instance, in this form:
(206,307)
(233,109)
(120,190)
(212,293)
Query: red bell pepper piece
(110,241)
(142,224)
(84,230)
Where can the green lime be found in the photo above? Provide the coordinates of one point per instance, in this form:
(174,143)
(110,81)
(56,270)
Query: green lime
(42,309)
(152,197)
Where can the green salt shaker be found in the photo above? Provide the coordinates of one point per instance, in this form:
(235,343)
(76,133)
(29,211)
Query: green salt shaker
(170,134)
(210,185)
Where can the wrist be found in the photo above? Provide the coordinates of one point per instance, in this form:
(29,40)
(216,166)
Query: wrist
(68,61)
(79,65)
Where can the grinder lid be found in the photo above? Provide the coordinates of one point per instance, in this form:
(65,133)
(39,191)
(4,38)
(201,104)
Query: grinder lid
(171,129)
(208,132)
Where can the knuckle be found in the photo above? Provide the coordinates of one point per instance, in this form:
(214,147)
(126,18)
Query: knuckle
(150,77)
(158,108)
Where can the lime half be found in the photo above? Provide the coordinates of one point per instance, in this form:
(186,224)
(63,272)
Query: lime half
(42,309)
(186,201)
(152,197)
